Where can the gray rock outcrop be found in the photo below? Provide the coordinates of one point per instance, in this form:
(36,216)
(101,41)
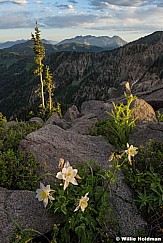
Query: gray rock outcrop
(125,209)
(50,143)
(28,212)
(141,134)
(96,107)
(72,113)
(36,120)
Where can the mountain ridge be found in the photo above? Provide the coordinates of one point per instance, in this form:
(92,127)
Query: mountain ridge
(91,43)
(100,41)
(80,76)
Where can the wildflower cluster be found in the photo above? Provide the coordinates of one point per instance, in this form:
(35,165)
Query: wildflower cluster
(83,198)
(68,175)
(131,151)
(75,197)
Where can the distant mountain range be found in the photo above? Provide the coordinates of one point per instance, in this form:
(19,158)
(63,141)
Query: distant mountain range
(79,76)
(79,43)
(105,42)
(9,44)
(26,48)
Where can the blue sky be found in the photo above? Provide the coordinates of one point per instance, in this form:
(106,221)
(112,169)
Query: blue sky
(61,19)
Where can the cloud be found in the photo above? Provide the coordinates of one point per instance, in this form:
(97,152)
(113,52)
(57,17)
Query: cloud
(68,21)
(160,3)
(129,16)
(73,1)
(137,19)
(16,21)
(102,4)
(64,6)
(20,2)
(69,7)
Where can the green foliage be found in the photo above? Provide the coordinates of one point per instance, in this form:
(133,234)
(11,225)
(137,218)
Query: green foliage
(49,86)
(2,119)
(45,114)
(159,116)
(39,50)
(46,109)
(150,157)
(147,182)
(89,225)
(13,134)
(96,222)
(117,127)
(17,168)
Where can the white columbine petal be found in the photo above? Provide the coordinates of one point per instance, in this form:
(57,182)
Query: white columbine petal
(83,203)
(45,202)
(68,174)
(43,194)
(131,151)
(67,164)
(59,175)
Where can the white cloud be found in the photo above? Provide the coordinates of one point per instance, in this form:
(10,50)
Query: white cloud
(137,19)
(72,1)
(68,21)
(102,4)
(19,21)
(70,8)
(21,2)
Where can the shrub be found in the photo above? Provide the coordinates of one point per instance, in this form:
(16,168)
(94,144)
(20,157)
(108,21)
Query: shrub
(117,127)
(17,168)
(147,183)
(159,116)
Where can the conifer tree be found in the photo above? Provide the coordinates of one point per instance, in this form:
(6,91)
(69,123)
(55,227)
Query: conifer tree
(39,50)
(49,86)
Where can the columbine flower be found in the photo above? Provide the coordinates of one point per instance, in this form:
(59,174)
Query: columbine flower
(61,163)
(68,174)
(112,156)
(83,203)
(43,194)
(131,151)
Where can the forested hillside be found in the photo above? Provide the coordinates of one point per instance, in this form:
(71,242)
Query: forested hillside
(81,76)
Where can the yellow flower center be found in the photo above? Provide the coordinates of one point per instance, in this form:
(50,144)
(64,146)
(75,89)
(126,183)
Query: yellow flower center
(69,174)
(43,195)
(132,151)
(84,204)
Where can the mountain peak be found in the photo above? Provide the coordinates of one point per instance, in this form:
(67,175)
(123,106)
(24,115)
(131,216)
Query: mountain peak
(100,41)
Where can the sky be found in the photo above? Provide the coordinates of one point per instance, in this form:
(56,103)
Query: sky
(62,19)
